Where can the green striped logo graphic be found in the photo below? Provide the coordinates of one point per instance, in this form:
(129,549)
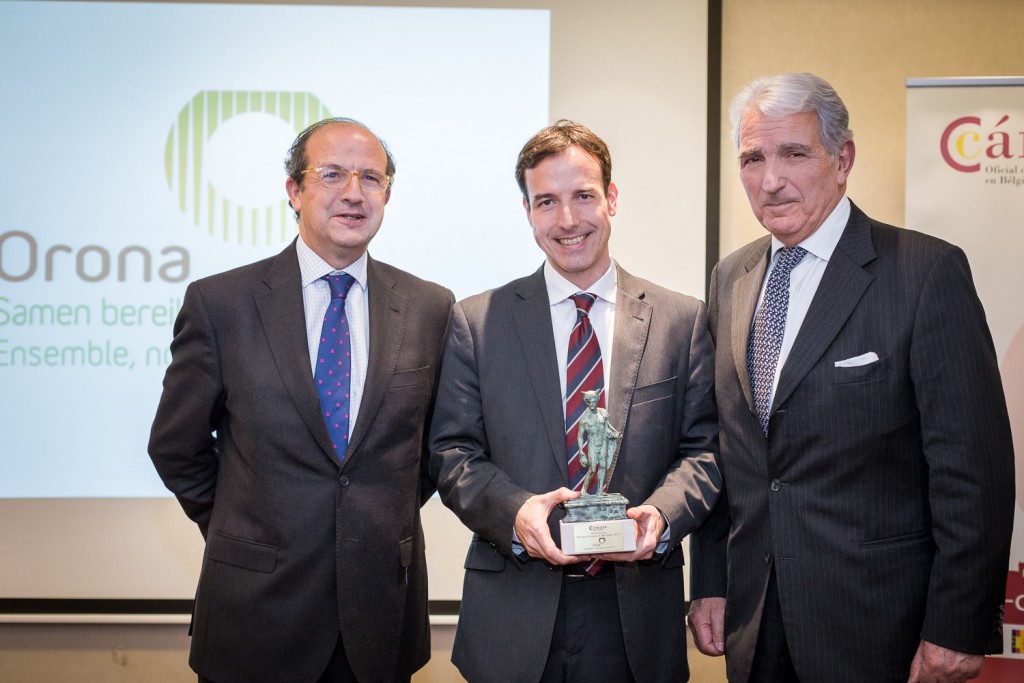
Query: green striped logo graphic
(197,196)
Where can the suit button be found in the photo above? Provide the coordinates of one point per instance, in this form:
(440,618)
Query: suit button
(343,480)
(776,485)
(767,558)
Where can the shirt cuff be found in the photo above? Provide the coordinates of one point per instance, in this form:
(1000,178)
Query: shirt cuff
(663,541)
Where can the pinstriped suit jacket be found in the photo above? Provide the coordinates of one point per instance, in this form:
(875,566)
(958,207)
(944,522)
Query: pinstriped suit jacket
(883,496)
(498,437)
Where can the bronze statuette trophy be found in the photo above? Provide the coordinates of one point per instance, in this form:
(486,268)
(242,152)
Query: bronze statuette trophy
(597,522)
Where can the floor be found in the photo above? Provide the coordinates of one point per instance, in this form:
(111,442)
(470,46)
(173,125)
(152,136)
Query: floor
(158,653)
(439,669)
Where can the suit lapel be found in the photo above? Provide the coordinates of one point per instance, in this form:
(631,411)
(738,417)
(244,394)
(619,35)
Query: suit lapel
(632,324)
(531,312)
(387,328)
(282,315)
(745,291)
(842,285)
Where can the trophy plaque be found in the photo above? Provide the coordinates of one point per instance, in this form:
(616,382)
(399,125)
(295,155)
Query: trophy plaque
(596,522)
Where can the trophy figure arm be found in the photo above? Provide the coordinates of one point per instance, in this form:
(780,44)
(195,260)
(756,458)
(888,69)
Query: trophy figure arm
(613,445)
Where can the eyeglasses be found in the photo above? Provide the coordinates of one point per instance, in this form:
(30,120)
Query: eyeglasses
(338,178)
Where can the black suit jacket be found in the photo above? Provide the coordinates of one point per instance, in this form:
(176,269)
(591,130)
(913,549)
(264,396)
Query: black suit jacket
(298,546)
(498,437)
(883,495)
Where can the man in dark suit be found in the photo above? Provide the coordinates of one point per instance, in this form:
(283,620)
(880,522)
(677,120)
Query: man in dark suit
(866,447)
(500,446)
(314,566)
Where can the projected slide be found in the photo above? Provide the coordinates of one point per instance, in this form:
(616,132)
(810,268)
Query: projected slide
(142,147)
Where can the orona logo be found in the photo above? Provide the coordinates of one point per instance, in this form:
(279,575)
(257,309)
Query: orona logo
(966,139)
(237,217)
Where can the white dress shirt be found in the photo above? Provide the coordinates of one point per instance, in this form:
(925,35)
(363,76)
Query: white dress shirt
(563,319)
(805,278)
(316,294)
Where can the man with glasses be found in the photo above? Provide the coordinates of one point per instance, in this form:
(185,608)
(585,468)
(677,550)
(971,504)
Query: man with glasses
(291,430)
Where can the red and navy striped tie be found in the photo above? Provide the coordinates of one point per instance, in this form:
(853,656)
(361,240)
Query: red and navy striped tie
(584,372)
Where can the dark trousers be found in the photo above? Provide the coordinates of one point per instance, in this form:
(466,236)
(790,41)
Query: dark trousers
(587,644)
(772,663)
(337,671)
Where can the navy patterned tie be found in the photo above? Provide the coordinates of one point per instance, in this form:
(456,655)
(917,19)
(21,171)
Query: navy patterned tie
(334,364)
(769,327)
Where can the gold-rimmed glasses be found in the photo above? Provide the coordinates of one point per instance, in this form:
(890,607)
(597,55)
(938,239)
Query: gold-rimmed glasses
(338,178)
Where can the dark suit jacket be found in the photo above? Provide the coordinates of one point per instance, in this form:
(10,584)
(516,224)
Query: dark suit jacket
(299,546)
(883,496)
(498,437)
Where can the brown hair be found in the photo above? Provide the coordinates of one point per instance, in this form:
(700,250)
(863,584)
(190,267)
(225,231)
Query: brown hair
(554,140)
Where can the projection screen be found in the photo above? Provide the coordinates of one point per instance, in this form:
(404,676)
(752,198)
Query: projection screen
(142,148)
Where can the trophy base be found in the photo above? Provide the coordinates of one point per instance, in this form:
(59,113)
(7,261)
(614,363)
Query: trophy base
(597,524)
(594,538)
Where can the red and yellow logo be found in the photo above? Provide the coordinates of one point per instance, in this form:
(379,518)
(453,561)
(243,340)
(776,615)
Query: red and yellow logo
(968,141)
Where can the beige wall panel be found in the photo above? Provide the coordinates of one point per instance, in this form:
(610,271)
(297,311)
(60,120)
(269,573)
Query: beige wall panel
(866,50)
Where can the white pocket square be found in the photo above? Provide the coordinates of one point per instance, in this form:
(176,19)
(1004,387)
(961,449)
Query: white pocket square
(862,359)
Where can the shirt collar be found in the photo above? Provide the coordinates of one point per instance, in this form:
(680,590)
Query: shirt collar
(822,242)
(312,267)
(560,289)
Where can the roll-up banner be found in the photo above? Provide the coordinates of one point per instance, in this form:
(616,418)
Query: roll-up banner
(965,184)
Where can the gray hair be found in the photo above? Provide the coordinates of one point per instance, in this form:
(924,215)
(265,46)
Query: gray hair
(794,93)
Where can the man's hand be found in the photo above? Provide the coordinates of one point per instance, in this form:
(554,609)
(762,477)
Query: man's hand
(707,623)
(532,526)
(935,664)
(650,525)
